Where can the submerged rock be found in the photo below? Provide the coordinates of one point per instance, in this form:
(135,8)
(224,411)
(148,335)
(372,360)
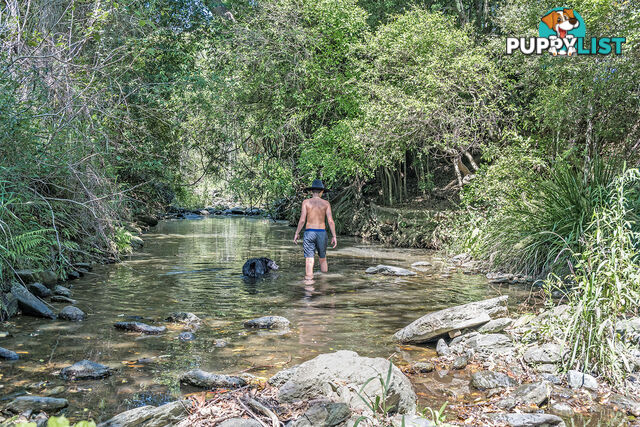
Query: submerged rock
(339,376)
(8,354)
(452,319)
(208,380)
(29,304)
(626,404)
(151,416)
(183,317)
(36,404)
(39,290)
(60,298)
(72,313)
(389,270)
(187,336)
(257,267)
(85,370)
(486,380)
(423,367)
(268,322)
(140,327)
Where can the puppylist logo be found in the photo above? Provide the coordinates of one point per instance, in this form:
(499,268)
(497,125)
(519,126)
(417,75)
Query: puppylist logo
(562,32)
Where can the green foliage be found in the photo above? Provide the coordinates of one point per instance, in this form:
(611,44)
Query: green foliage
(437,416)
(540,231)
(61,422)
(605,285)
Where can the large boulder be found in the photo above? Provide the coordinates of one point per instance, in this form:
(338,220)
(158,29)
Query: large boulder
(342,375)
(389,270)
(36,404)
(30,304)
(140,327)
(438,323)
(151,416)
(208,380)
(147,220)
(85,370)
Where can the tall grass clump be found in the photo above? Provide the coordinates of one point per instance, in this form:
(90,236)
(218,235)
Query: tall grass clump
(605,285)
(542,230)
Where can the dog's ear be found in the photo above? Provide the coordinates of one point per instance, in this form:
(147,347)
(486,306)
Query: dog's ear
(550,19)
(569,13)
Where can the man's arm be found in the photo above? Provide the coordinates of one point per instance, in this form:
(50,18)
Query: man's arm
(303,219)
(332,227)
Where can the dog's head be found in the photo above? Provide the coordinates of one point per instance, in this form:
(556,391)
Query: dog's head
(561,21)
(272,265)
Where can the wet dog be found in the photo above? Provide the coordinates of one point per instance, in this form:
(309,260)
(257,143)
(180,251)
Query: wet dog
(256,267)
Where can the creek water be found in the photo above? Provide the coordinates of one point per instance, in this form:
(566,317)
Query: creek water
(196,266)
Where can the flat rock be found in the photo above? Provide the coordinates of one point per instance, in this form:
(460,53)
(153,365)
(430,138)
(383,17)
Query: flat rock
(527,395)
(495,326)
(85,370)
(71,313)
(151,416)
(240,422)
(140,327)
(30,304)
(39,290)
(339,376)
(546,353)
(183,317)
(36,404)
(326,414)
(562,409)
(208,380)
(61,290)
(626,404)
(483,343)
(528,420)
(486,380)
(389,270)
(500,277)
(8,354)
(451,319)
(577,379)
(268,322)
(421,264)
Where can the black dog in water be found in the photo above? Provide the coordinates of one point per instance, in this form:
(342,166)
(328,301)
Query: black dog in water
(256,267)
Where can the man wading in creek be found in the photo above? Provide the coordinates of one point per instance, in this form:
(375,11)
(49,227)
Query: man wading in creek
(314,212)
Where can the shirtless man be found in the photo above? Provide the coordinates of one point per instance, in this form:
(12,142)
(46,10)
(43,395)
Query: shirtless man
(314,211)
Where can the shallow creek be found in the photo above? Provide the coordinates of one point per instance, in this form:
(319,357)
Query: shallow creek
(196,266)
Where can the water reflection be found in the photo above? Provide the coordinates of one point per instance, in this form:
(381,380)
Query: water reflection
(196,266)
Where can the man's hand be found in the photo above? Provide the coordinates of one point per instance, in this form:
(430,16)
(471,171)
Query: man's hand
(295,238)
(334,242)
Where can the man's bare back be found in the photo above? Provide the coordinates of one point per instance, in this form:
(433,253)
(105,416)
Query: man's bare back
(314,212)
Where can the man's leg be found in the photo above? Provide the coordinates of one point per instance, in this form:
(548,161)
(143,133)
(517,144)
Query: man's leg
(308,267)
(324,267)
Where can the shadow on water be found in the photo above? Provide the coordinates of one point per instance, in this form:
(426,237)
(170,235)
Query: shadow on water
(196,266)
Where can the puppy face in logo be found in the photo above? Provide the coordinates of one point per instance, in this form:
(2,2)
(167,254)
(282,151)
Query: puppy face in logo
(561,21)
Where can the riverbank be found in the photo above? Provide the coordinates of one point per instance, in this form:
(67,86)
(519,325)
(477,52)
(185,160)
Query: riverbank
(370,293)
